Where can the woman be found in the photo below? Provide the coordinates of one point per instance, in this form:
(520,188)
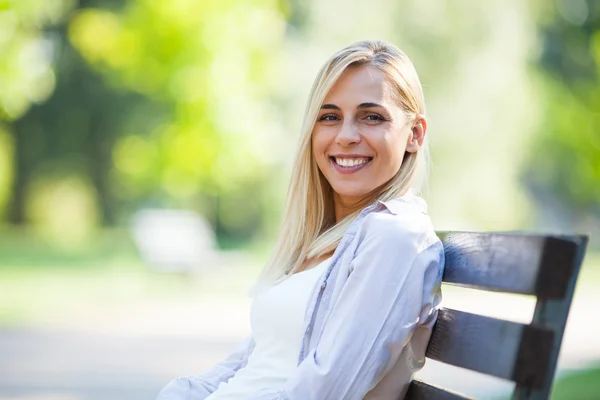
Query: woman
(345,305)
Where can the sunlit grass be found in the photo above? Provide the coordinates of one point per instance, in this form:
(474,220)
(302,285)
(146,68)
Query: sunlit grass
(42,284)
(582,385)
(36,295)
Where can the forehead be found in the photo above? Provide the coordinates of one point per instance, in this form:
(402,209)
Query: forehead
(359,84)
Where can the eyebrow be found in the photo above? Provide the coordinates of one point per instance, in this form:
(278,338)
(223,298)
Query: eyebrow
(361,105)
(369,105)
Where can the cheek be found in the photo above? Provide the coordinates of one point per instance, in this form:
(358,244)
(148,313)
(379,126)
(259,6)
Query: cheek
(390,149)
(319,144)
(317,152)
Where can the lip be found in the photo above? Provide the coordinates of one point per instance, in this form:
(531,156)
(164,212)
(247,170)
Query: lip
(345,155)
(349,170)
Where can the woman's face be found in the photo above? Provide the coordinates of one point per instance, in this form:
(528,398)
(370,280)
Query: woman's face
(361,135)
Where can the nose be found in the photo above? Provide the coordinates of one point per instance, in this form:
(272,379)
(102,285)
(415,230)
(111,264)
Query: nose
(348,135)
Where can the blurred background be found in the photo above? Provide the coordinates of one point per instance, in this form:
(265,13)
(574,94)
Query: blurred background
(145,148)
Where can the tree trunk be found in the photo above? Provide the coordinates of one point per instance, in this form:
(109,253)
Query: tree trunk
(28,140)
(16,207)
(100,146)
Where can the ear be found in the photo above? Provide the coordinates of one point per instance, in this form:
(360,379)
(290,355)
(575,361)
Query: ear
(417,134)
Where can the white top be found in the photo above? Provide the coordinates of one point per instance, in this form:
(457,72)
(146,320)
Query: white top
(277,319)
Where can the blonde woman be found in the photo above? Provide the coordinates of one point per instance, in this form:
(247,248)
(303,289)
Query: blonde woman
(345,305)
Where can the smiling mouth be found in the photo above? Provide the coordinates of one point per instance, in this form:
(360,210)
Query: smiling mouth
(349,164)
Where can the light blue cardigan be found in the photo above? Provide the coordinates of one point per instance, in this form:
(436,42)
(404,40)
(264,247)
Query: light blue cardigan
(382,284)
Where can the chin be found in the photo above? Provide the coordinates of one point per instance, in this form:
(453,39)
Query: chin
(353,194)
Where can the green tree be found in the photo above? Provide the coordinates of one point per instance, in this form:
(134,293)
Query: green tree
(565,161)
(26,73)
(211,62)
(71,133)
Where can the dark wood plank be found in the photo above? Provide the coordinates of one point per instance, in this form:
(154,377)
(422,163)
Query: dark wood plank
(503,349)
(509,262)
(421,391)
(552,314)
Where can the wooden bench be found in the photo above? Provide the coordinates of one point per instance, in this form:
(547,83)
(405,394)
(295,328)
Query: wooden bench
(544,266)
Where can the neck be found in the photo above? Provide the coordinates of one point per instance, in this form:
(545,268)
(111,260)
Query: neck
(345,206)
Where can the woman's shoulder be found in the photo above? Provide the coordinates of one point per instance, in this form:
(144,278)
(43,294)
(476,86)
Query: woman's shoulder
(404,217)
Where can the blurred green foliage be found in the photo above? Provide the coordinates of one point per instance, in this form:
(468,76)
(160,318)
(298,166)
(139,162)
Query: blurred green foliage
(210,63)
(160,104)
(565,162)
(26,74)
(209,60)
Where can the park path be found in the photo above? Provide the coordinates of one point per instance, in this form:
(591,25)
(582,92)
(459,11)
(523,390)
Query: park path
(131,352)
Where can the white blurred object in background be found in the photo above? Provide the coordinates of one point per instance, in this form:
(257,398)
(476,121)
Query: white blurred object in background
(174,240)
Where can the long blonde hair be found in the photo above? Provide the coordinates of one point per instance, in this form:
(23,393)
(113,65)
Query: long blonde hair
(309,229)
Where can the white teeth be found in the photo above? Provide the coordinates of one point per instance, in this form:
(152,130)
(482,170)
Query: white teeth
(351,162)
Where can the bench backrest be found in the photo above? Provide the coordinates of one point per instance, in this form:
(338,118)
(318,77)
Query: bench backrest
(544,266)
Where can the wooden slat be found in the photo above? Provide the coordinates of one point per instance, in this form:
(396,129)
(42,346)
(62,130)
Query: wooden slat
(552,314)
(421,391)
(509,262)
(504,349)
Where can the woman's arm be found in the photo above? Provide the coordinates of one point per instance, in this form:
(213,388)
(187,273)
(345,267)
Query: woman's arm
(199,387)
(393,288)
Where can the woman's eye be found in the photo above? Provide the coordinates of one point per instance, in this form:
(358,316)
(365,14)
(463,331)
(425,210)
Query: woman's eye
(374,117)
(329,117)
